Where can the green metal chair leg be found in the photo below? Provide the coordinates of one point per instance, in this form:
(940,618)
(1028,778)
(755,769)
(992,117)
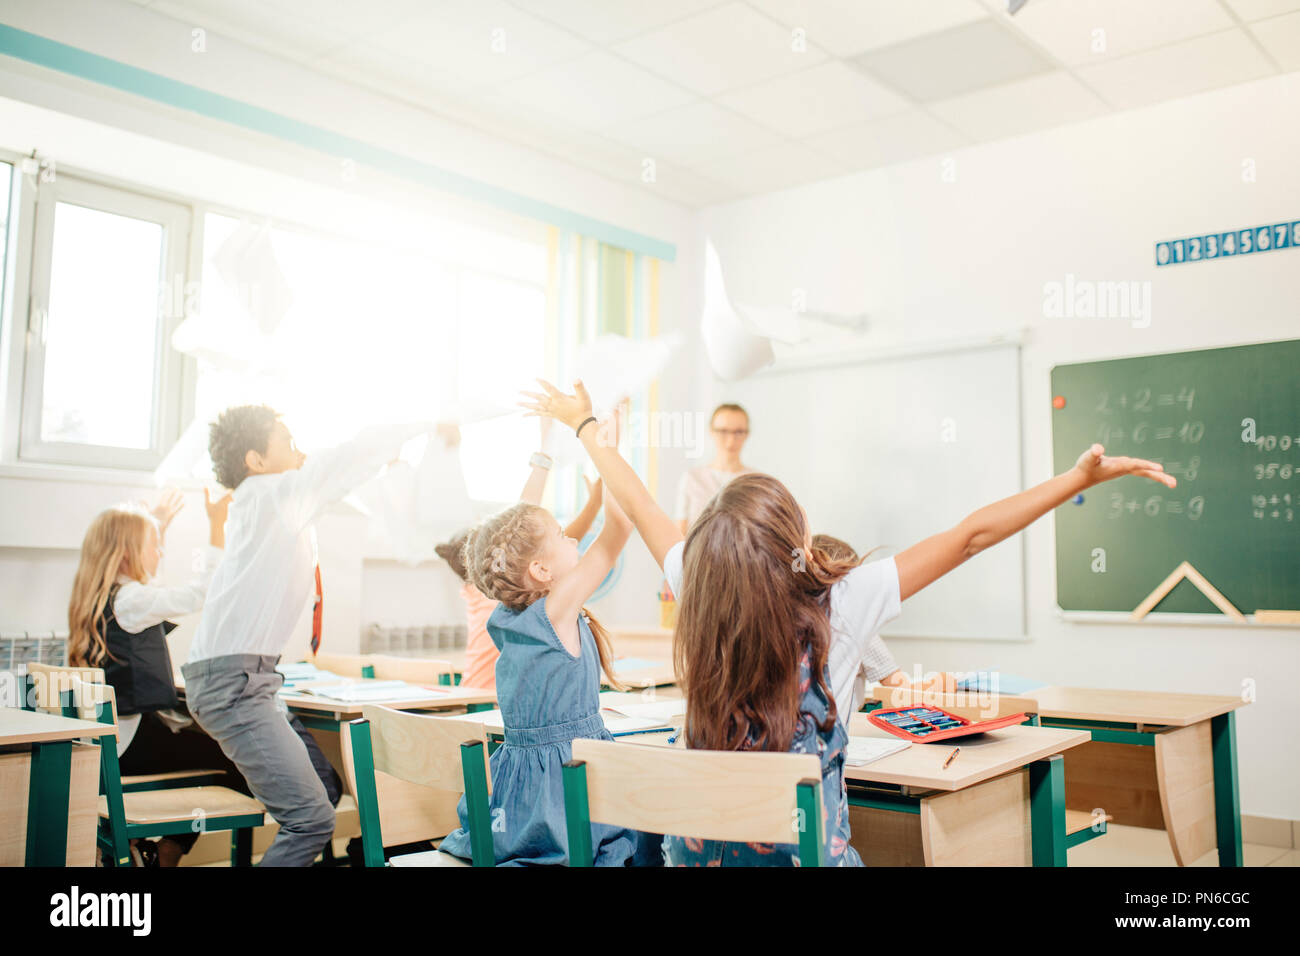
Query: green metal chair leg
(1227,797)
(812,837)
(363,757)
(241,847)
(47,803)
(1047,810)
(577,814)
(476,803)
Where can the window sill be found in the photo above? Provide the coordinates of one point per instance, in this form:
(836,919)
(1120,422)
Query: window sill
(87,475)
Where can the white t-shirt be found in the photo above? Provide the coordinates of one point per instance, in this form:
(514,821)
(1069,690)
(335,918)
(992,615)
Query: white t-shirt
(862,602)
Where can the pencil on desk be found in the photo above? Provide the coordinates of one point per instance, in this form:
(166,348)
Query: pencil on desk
(951,757)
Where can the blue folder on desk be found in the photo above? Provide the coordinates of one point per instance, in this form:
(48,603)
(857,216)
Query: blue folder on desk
(993,681)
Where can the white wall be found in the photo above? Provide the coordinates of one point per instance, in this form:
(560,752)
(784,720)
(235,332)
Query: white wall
(930,259)
(45,510)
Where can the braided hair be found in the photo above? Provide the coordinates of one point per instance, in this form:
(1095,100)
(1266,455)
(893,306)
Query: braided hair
(496,557)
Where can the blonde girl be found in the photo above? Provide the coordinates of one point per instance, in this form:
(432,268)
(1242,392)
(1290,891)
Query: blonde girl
(548,678)
(118,620)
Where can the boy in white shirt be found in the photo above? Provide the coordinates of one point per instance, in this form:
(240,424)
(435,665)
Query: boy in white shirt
(255,600)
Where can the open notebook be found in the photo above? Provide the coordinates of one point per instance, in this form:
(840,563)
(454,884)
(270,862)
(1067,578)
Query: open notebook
(864,750)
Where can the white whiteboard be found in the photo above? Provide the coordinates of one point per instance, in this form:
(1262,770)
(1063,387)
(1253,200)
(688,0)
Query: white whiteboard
(889,451)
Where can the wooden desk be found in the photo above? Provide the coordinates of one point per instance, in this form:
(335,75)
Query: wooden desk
(655,673)
(1159,760)
(322,713)
(1155,759)
(50,791)
(1002,801)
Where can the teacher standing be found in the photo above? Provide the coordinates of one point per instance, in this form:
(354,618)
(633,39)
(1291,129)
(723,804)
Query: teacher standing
(730,427)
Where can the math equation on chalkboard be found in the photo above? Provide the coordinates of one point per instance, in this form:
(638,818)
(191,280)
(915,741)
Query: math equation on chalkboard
(1225,423)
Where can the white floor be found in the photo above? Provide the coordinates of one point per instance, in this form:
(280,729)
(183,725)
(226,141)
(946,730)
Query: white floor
(1138,846)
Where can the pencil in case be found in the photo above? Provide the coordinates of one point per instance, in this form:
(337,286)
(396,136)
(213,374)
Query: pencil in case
(927,724)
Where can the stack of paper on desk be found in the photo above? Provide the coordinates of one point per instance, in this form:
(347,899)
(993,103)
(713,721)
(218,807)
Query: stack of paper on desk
(864,750)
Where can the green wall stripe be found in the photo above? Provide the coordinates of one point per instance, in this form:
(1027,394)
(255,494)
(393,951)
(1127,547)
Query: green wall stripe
(54,55)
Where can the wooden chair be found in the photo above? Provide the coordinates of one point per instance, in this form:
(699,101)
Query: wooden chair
(51,683)
(345,665)
(157,813)
(435,758)
(413,670)
(705,794)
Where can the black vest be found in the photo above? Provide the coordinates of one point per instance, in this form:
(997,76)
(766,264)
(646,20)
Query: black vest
(139,666)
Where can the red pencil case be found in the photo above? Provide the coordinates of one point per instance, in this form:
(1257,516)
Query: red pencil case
(927,724)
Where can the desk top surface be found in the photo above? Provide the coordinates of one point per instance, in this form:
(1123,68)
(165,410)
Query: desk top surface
(439,698)
(29,726)
(982,756)
(1131,706)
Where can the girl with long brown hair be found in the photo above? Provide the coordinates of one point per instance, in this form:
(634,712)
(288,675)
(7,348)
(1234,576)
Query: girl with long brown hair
(771,632)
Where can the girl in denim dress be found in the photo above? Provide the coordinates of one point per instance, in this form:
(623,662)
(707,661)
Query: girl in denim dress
(548,680)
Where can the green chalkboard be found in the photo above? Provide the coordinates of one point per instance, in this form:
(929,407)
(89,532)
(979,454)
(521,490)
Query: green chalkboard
(1226,424)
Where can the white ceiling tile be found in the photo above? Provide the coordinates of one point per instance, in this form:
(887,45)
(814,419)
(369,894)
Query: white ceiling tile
(353,20)
(609,21)
(846,27)
(689,187)
(772,168)
(1259,9)
(693,134)
(1281,38)
(1203,63)
(719,50)
(893,139)
(955,61)
(256,24)
(486,41)
(1083,32)
(595,92)
(811,101)
(419,81)
(1037,103)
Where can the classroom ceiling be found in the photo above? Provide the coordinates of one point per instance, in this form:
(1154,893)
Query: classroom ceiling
(714,93)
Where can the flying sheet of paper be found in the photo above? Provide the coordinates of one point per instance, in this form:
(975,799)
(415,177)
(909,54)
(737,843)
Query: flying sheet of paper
(735,350)
(612,367)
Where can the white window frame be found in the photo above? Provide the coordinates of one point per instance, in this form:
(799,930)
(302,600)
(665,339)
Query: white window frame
(169,374)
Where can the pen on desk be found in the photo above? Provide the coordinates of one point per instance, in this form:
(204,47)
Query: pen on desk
(951,757)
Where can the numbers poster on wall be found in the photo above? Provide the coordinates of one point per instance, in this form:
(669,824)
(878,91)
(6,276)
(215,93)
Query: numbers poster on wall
(1234,242)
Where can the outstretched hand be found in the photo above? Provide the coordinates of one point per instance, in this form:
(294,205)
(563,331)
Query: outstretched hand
(218,509)
(166,508)
(572,410)
(1096,467)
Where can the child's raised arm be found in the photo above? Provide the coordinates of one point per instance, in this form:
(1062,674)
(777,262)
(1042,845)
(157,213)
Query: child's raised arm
(573,590)
(622,486)
(926,562)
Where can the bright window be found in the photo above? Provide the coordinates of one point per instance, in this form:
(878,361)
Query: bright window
(336,333)
(101,386)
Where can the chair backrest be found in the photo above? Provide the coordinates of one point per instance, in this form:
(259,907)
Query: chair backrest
(413,670)
(758,797)
(345,665)
(407,770)
(91,700)
(51,680)
(973,705)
